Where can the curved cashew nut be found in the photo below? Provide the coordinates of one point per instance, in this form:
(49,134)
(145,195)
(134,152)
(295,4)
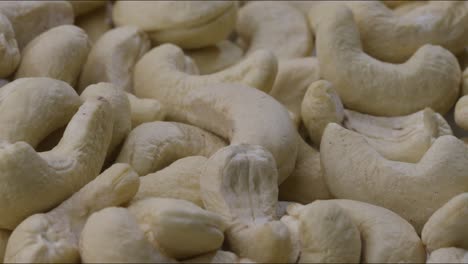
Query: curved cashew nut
(173,226)
(113,58)
(9,52)
(95,24)
(58,53)
(412,190)
(187,24)
(4,236)
(446,227)
(218,256)
(274,26)
(46,105)
(180,180)
(144,110)
(45,14)
(430,78)
(403,138)
(448,255)
(239,183)
(84,7)
(395,38)
(165,66)
(152,146)
(113,235)
(48,178)
(53,237)
(216,58)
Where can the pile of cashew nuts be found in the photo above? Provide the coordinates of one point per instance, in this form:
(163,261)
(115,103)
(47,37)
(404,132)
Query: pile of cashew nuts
(233,132)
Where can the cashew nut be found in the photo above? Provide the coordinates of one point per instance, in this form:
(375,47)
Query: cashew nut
(48,178)
(144,110)
(84,7)
(430,78)
(216,58)
(395,38)
(180,180)
(187,24)
(461,112)
(178,228)
(448,255)
(408,7)
(9,52)
(274,26)
(58,53)
(53,237)
(355,170)
(152,146)
(113,58)
(95,24)
(113,235)
(30,18)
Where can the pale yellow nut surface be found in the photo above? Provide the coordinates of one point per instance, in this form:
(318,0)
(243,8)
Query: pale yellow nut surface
(9,51)
(448,255)
(216,58)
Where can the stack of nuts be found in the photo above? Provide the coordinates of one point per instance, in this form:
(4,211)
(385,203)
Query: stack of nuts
(233,131)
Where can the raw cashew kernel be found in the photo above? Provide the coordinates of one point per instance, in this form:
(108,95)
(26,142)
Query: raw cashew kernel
(178,228)
(145,110)
(53,237)
(9,52)
(448,255)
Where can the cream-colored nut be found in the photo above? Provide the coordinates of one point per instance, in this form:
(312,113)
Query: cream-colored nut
(292,80)
(95,23)
(113,58)
(355,170)
(430,78)
(32,108)
(165,66)
(274,26)
(178,228)
(153,146)
(188,24)
(395,38)
(461,112)
(9,52)
(53,237)
(448,255)
(145,110)
(113,235)
(216,58)
(180,180)
(408,7)
(4,235)
(218,256)
(84,7)
(120,106)
(446,227)
(30,18)
(37,182)
(58,53)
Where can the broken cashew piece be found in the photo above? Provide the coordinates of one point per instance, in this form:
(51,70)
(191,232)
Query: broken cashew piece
(448,255)
(58,53)
(274,26)
(239,183)
(407,189)
(216,58)
(187,24)
(178,228)
(9,52)
(54,175)
(113,235)
(430,78)
(153,146)
(144,110)
(53,237)
(113,57)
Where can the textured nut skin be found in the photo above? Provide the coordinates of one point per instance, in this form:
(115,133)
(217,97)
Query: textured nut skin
(9,52)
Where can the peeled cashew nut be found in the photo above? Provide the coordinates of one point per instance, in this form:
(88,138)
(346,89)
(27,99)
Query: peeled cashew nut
(239,183)
(178,228)
(113,57)
(31,18)
(84,7)
(355,170)
(274,26)
(393,38)
(32,108)
(430,78)
(180,180)
(402,138)
(447,226)
(4,235)
(95,23)
(145,110)
(113,235)
(187,24)
(165,66)
(53,237)
(216,58)
(218,256)
(153,146)
(48,178)
(448,255)
(385,236)
(9,52)
(58,53)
